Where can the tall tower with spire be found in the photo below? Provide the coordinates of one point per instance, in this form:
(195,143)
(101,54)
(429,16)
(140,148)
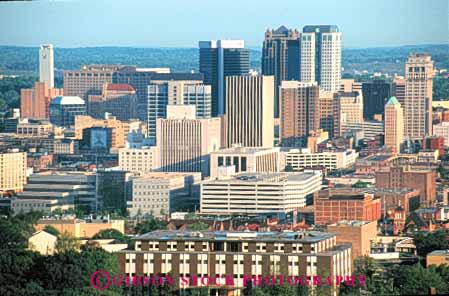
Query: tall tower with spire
(394,125)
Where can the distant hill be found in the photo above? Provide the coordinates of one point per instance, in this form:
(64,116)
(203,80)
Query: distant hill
(24,60)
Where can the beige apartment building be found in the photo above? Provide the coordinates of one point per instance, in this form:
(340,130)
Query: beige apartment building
(348,108)
(418,96)
(249,118)
(185,143)
(394,125)
(13,170)
(145,159)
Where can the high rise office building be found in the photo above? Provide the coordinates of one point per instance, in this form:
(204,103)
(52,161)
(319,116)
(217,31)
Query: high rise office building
(46,65)
(327,112)
(399,90)
(418,96)
(185,143)
(321,56)
(281,58)
(300,112)
(218,59)
(249,119)
(375,95)
(140,78)
(394,125)
(176,92)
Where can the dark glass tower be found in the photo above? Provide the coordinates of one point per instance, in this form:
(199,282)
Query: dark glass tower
(375,96)
(281,58)
(218,59)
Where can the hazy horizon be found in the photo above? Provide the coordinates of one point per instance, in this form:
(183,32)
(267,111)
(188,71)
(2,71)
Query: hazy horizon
(181,24)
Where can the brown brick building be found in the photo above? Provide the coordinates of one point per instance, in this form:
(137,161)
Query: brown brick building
(239,255)
(332,206)
(358,233)
(404,177)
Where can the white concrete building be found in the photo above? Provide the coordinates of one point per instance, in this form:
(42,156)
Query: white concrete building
(46,65)
(253,194)
(145,159)
(158,193)
(299,159)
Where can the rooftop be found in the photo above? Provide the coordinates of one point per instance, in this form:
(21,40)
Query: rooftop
(166,235)
(67,100)
(268,177)
(352,223)
(439,253)
(393,101)
(119,87)
(244,150)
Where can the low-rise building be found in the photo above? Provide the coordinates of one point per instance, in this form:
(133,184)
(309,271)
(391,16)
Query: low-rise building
(234,258)
(254,194)
(300,159)
(333,205)
(42,242)
(34,128)
(145,159)
(160,193)
(245,160)
(80,228)
(437,258)
(358,233)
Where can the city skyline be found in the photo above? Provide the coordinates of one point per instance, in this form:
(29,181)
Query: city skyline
(68,22)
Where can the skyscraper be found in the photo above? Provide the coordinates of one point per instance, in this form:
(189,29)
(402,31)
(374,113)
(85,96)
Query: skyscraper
(218,59)
(249,116)
(46,65)
(321,56)
(176,92)
(375,95)
(280,57)
(300,112)
(418,96)
(394,125)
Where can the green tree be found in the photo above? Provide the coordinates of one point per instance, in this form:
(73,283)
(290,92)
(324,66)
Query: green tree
(116,235)
(198,226)
(67,243)
(427,242)
(417,280)
(50,229)
(150,225)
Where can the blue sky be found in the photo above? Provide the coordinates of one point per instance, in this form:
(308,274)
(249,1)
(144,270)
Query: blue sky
(181,23)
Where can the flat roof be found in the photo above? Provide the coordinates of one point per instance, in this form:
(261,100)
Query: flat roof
(244,150)
(168,235)
(267,177)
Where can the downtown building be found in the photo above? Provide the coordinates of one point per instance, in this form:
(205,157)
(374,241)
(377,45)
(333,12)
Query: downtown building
(300,112)
(249,118)
(418,96)
(185,142)
(120,100)
(260,193)
(347,108)
(35,102)
(237,159)
(281,59)
(13,170)
(375,96)
(235,258)
(144,159)
(218,59)
(162,93)
(46,65)
(299,159)
(394,125)
(321,56)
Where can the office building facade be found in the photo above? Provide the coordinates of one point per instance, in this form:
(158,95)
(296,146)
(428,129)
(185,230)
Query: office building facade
(64,109)
(46,65)
(249,119)
(263,193)
(394,125)
(13,171)
(300,112)
(418,96)
(375,95)
(35,102)
(321,56)
(348,108)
